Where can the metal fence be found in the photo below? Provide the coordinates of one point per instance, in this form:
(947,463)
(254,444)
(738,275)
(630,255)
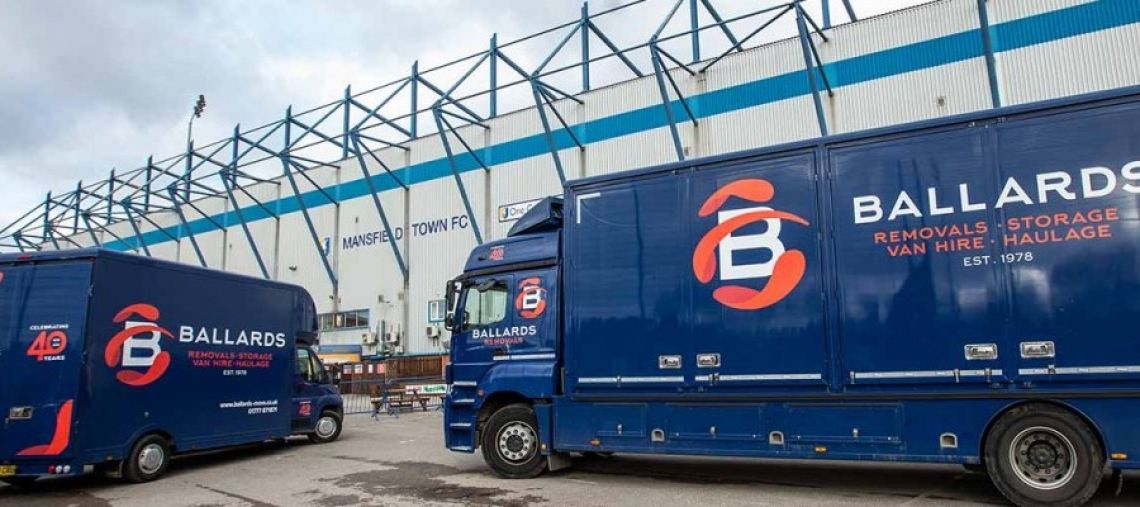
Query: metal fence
(389,397)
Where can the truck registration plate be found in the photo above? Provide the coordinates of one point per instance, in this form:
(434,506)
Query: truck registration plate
(7,470)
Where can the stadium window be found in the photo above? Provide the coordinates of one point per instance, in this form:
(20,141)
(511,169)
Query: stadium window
(437,311)
(352,319)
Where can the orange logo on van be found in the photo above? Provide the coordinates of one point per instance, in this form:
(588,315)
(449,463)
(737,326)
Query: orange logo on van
(713,254)
(138,336)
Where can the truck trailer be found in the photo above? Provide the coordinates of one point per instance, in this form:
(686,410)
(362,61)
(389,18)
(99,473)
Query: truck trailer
(961,290)
(117,362)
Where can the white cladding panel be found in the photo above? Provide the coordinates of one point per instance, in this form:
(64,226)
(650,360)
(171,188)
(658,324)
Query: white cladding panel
(1006,10)
(775,59)
(634,151)
(1087,63)
(211,243)
(892,30)
(167,250)
(626,96)
(370,277)
(125,232)
(240,257)
(299,258)
(440,238)
(945,90)
(781,122)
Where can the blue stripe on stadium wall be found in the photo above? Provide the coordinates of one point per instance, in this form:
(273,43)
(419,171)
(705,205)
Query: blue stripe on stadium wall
(1011,35)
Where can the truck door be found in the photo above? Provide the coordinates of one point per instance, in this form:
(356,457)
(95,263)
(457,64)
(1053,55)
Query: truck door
(505,317)
(43,313)
(1072,258)
(758,314)
(482,305)
(915,246)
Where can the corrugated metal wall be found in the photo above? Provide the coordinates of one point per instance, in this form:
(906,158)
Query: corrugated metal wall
(914,64)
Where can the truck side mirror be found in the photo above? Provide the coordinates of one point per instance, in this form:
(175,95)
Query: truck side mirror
(449,321)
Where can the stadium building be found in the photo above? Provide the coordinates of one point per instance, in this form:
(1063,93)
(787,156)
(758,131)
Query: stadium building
(373,201)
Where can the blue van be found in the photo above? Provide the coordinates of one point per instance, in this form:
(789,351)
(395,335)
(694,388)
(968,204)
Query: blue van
(117,362)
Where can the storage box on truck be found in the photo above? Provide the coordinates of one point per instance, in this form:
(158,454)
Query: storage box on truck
(117,362)
(953,291)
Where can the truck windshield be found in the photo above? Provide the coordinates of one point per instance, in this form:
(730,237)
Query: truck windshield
(486,304)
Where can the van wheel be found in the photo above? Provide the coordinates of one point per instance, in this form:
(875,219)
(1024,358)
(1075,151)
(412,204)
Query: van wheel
(148,460)
(511,445)
(327,429)
(1044,455)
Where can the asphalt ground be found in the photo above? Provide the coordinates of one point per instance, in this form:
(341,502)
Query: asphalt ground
(402,462)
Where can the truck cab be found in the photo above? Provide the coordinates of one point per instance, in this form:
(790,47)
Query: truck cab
(504,319)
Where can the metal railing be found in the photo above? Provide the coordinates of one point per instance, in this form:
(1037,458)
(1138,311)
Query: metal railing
(390,397)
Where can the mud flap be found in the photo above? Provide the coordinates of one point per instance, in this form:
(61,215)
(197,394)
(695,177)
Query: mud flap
(544,413)
(558,461)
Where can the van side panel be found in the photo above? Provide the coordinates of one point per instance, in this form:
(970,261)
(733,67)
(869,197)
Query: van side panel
(908,303)
(203,357)
(1080,290)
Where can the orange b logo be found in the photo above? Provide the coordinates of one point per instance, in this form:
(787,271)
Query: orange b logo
(141,336)
(786,267)
(531,299)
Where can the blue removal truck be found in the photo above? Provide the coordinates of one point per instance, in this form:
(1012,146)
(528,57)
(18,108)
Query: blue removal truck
(117,362)
(963,290)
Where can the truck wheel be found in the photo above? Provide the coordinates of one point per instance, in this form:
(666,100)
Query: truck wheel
(148,460)
(1044,455)
(511,445)
(327,429)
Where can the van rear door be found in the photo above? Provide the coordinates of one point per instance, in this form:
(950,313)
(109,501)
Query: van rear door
(43,309)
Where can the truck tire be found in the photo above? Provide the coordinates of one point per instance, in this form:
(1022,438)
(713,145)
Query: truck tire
(1044,455)
(149,459)
(511,444)
(327,429)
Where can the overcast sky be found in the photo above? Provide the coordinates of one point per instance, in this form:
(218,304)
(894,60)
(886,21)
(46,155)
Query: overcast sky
(87,86)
